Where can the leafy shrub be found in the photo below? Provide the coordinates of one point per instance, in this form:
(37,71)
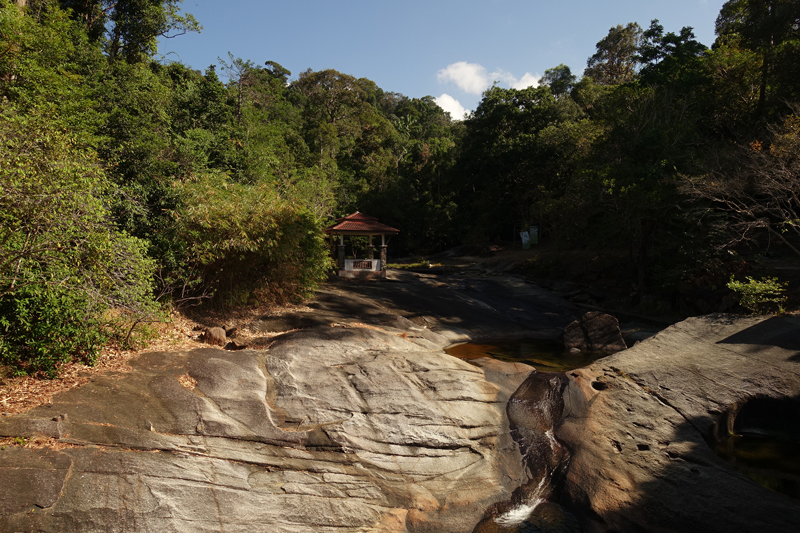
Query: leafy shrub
(245,242)
(760,296)
(44,327)
(62,264)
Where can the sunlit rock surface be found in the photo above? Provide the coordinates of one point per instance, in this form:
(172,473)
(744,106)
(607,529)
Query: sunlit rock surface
(358,423)
(332,429)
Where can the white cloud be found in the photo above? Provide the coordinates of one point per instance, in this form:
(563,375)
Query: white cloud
(452,106)
(528,80)
(503,77)
(473,79)
(469,77)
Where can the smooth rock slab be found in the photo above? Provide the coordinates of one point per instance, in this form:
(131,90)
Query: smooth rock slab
(332,429)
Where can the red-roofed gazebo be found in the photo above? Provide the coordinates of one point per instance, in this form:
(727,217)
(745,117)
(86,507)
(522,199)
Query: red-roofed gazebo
(359,224)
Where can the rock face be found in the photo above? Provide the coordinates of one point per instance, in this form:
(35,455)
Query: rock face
(595,331)
(361,423)
(641,425)
(332,429)
(358,422)
(533,411)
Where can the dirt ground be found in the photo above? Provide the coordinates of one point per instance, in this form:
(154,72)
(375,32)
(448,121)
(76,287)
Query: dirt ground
(180,333)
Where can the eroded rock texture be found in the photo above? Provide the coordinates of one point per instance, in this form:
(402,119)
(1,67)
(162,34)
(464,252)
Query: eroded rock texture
(332,429)
(641,424)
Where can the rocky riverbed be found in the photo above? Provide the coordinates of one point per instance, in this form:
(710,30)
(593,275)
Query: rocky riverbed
(357,421)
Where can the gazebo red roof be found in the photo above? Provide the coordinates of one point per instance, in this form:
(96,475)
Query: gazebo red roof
(360,224)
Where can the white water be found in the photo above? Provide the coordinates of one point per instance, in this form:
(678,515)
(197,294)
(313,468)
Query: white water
(551,439)
(520,513)
(517,515)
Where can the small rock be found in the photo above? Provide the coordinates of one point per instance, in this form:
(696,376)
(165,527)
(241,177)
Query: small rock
(233,346)
(595,331)
(214,336)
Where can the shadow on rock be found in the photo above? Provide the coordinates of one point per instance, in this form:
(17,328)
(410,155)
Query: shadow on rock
(655,432)
(780,331)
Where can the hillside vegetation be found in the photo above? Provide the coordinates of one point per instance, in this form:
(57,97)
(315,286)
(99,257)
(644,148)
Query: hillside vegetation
(129,185)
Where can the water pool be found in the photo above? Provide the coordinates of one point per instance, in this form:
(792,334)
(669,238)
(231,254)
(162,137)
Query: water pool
(544,355)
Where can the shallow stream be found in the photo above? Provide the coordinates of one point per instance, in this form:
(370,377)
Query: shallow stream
(543,354)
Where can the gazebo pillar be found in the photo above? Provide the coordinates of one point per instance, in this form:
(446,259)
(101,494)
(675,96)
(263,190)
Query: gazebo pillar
(383,252)
(370,249)
(341,252)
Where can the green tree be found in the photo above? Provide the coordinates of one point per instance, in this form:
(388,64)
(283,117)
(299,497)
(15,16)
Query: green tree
(62,263)
(201,120)
(651,135)
(248,244)
(48,63)
(506,170)
(420,197)
(671,59)
(335,106)
(733,94)
(560,80)
(137,144)
(278,72)
(615,59)
(130,29)
(770,29)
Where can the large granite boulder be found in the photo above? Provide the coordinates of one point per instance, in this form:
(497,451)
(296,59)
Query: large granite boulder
(332,429)
(641,425)
(361,423)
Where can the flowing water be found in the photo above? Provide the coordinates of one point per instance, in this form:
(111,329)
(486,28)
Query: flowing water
(533,512)
(516,516)
(543,354)
(532,411)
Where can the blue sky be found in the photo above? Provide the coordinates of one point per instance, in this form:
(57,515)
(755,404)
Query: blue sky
(448,49)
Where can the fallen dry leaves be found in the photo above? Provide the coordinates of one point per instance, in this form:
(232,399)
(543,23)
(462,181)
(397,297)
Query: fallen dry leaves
(19,394)
(187,381)
(36,442)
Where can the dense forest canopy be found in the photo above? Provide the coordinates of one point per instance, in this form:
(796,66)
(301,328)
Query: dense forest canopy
(128,184)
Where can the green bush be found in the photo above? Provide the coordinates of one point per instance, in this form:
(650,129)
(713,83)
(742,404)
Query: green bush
(245,242)
(760,296)
(44,327)
(63,266)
